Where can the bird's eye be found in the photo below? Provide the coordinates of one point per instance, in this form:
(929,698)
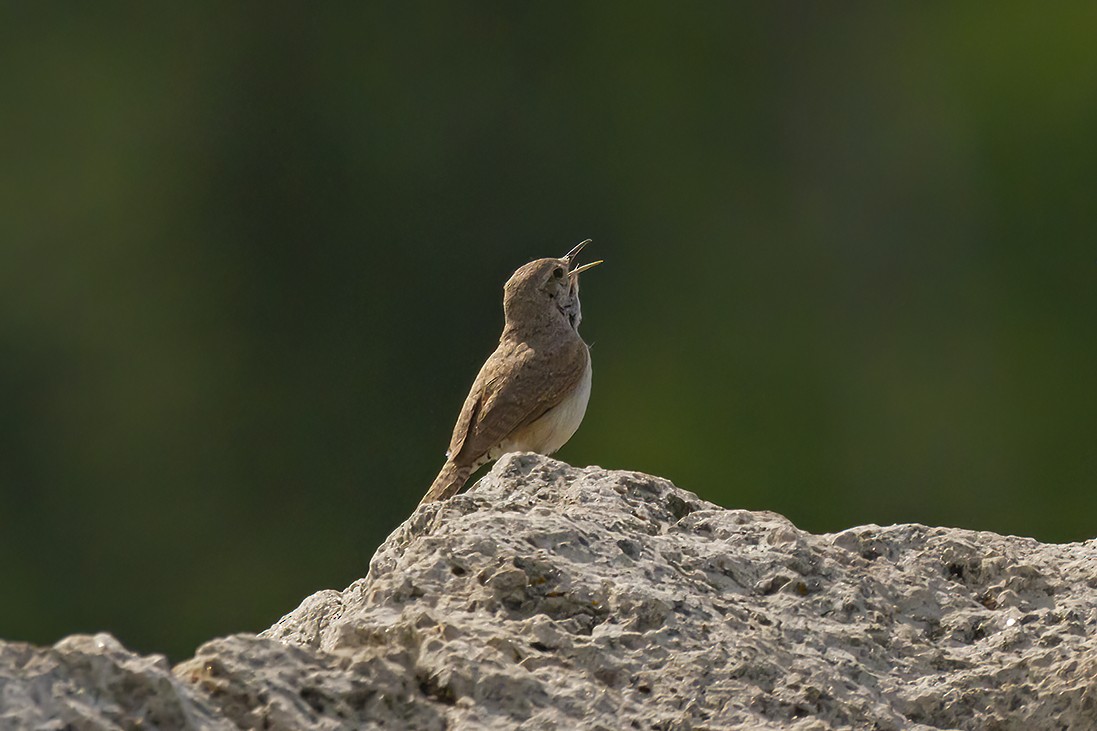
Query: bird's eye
(558,272)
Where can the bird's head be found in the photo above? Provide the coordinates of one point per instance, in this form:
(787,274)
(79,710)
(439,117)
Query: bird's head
(546,288)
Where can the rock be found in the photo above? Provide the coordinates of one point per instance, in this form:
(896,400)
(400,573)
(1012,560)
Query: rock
(549,597)
(85,682)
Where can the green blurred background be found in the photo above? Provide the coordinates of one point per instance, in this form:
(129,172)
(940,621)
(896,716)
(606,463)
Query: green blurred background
(251,257)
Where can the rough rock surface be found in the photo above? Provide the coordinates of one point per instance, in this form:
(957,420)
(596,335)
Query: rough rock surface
(92,682)
(549,597)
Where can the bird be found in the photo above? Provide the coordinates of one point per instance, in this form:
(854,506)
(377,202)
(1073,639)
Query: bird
(532,392)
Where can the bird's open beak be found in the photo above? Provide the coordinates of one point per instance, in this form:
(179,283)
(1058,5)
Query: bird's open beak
(583,268)
(575,252)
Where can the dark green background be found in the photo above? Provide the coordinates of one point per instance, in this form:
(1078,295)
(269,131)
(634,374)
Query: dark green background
(252,256)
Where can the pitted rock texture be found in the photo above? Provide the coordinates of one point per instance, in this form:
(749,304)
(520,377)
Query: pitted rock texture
(549,597)
(92,682)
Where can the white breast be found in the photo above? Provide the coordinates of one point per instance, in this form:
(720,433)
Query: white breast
(554,429)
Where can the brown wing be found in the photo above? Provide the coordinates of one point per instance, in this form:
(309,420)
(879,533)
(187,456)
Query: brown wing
(504,399)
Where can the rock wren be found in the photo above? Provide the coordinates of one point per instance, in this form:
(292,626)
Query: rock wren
(531,394)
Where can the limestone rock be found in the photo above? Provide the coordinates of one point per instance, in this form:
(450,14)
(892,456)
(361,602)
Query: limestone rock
(549,597)
(92,682)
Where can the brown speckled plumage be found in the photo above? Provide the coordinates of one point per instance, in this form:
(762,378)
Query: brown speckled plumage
(531,392)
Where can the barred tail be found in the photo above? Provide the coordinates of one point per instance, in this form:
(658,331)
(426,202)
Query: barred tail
(451,479)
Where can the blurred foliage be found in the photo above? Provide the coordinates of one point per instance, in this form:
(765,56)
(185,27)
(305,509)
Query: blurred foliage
(251,257)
